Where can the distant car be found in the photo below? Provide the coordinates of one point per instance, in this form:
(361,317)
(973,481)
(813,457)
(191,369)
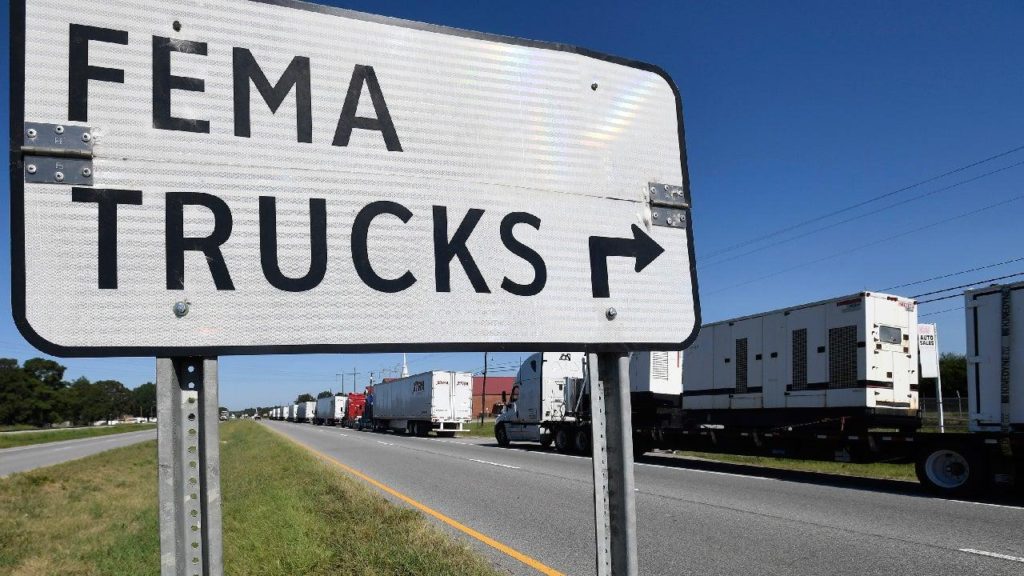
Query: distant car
(257,417)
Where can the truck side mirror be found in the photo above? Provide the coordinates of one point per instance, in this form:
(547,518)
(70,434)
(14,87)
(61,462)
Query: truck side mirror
(515,394)
(504,397)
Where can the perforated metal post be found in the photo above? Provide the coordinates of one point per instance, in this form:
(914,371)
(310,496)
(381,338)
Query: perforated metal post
(612,437)
(189,458)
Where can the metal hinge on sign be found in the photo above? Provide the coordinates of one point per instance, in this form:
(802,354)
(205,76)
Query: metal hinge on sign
(668,205)
(58,154)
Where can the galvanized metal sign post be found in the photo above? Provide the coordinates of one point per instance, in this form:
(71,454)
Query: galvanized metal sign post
(215,177)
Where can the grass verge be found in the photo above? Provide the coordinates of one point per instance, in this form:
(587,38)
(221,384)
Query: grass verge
(475,429)
(44,436)
(880,470)
(284,512)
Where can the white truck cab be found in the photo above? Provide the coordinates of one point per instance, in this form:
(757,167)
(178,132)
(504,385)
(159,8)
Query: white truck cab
(547,390)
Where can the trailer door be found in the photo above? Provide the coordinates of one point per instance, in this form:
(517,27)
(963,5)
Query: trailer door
(442,407)
(462,396)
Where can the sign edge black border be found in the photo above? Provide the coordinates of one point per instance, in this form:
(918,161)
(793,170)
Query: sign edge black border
(17,214)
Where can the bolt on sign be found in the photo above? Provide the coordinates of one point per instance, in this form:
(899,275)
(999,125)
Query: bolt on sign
(226,176)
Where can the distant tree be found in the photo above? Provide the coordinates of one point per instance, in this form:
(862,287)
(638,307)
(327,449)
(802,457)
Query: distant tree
(953,368)
(46,371)
(324,394)
(305,398)
(143,400)
(24,399)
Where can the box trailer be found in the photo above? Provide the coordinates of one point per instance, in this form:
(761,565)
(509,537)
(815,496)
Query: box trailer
(437,400)
(305,411)
(293,412)
(330,410)
(847,362)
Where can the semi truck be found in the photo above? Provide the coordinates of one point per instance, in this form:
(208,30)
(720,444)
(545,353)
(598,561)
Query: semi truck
(843,387)
(437,400)
(355,405)
(330,410)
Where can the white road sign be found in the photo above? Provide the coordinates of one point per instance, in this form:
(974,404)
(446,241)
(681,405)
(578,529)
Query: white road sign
(928,350)
(223,176)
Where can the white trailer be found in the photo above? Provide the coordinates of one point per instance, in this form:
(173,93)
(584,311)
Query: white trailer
(293,412)
(330,410)
(305,411)
(437,400)
(849,360)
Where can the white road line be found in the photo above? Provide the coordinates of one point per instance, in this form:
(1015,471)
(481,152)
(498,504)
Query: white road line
(494,463)
(992,554)
(385,443)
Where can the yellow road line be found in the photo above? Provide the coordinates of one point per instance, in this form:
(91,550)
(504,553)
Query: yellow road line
(531,562)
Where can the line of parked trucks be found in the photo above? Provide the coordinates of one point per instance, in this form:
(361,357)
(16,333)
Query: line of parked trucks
(836,379)
(437,401)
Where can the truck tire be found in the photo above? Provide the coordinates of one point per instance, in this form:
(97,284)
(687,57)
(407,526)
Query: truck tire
(581,442)
(564,440)
(546,440)
(950,470)
(501,435)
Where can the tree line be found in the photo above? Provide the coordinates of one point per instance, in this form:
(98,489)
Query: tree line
(35,393)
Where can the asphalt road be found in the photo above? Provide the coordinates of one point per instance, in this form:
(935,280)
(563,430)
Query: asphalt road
(691,520)
(25,458)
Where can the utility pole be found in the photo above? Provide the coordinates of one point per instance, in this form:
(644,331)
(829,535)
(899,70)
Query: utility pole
(483,394)
(354,374)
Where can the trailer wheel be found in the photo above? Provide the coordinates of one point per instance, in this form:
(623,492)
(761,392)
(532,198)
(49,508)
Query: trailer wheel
(949,470)
(563,440)
(501,435)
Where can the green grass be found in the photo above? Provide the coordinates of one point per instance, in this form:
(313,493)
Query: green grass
(44,436)
(284,512)
(475,429)
(880,470)
(18,427)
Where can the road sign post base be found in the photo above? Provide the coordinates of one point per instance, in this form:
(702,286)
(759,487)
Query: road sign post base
(188,450)
(612,437)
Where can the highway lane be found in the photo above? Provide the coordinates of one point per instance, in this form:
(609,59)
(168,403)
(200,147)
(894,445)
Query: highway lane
(23,458)
(689,520)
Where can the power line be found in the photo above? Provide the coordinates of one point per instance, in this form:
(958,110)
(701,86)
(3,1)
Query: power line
(952,274)
(963,286)
(941,312)
(859,216)
(870,244)
(859,204)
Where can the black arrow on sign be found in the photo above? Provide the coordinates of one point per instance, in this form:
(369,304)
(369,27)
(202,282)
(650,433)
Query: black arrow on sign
(641,246)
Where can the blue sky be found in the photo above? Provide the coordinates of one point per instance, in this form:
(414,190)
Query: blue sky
(793,111)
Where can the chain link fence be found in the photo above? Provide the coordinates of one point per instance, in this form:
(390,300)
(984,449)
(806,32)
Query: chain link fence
(954,411)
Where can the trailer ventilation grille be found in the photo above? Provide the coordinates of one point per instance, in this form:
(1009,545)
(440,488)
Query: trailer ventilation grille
(741,366)
(842,358)
(659,365)
(800,359)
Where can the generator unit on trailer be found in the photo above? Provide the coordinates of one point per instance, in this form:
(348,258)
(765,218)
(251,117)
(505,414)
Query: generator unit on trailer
(847,363)
(995,358)
(439,401)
